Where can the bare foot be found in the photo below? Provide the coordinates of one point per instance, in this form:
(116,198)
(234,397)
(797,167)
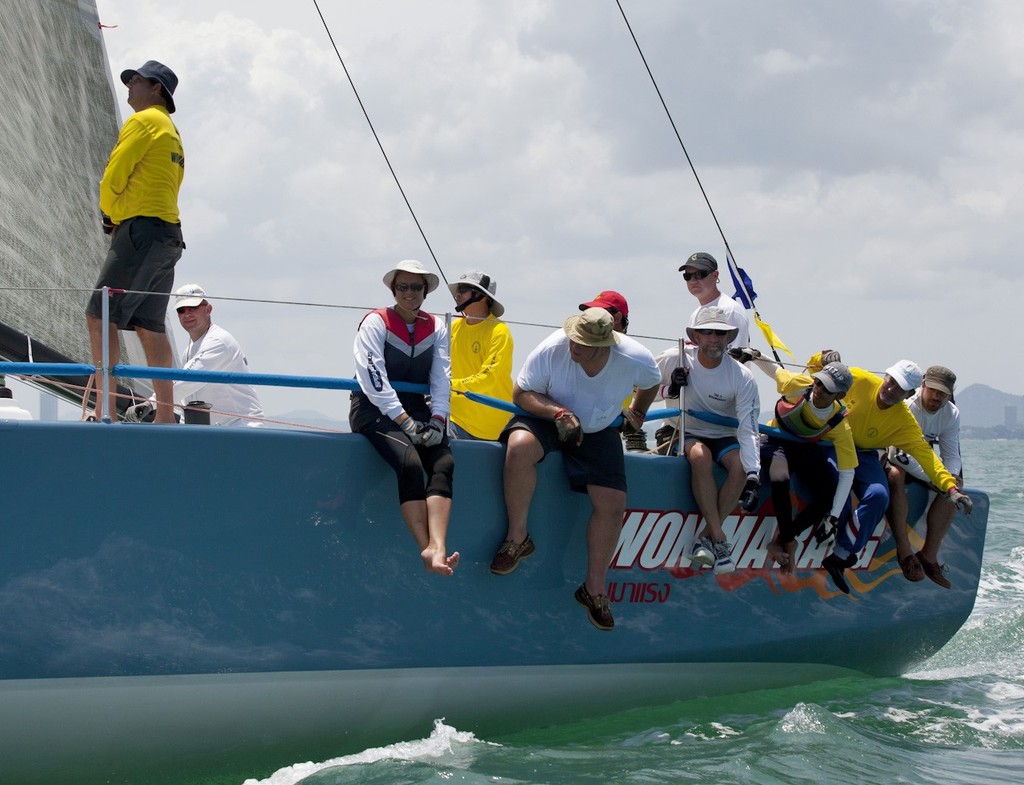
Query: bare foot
(436,562)
(778,553)
(790,566)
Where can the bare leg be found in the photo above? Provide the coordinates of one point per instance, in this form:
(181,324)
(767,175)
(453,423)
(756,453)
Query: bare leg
(96,348)
(520,479)
(898,511)
(730,491)
(702,481)
(940,516)
(609,505)
(435,555)
(158,355)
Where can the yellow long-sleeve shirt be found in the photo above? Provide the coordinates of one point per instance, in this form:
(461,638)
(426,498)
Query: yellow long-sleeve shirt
(481,363)
(145,169)
(875,428)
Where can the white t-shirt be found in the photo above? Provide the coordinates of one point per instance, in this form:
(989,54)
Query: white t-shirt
(729,391)
(217,350)
(595,400)
(736,315)
(941,428)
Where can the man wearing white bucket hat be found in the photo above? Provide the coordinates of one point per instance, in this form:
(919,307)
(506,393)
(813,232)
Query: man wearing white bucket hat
(879,418)
(718,385)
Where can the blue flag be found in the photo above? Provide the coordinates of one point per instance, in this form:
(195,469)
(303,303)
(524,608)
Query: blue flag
(741,293)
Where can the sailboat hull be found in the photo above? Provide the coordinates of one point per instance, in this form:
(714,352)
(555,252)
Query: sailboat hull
(182,590)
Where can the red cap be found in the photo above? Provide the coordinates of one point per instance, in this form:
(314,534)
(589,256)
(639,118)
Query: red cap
(608,300)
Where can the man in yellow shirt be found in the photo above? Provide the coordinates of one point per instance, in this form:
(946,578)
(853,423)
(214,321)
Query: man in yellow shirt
(139,204)
(481,357)
(879,417)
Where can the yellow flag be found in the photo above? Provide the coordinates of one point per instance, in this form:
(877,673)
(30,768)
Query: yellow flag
(771,337)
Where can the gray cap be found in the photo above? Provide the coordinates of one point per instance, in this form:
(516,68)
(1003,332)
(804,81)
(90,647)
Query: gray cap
(835,377)
(939,377)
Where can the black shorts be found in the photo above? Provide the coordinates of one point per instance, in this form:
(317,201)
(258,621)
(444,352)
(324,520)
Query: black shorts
(597,461)
(141,259)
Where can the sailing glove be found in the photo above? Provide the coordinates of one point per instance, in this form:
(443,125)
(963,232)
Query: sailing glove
(961,500)
(680,378)
(139,412)
(434,434)
(414,429)
(744,354)
(750,493)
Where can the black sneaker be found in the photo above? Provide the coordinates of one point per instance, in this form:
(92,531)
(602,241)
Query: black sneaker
(835,567)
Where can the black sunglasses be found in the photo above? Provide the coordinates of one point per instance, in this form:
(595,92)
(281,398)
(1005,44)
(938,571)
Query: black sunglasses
(700,275)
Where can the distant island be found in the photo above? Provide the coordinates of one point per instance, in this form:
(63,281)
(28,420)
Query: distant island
(988,413)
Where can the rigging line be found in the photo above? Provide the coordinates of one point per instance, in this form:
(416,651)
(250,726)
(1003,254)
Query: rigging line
(730,259)
(373,130)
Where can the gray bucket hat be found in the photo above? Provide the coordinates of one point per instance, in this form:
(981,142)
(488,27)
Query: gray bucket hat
(482,281)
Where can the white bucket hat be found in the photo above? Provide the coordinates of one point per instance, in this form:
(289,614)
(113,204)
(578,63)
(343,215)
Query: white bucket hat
(411,266)
(482,281)
(711,317)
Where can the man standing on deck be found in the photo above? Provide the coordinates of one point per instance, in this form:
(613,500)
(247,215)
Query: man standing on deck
(481,357)
(879,417)
(572,385)
(933,408)
(719,386)
(700,272)
(139,203)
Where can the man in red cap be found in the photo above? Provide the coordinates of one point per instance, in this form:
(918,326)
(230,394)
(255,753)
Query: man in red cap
(616,305)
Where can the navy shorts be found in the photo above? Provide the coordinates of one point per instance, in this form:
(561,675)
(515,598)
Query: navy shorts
(141,259)
(597,461)
(719,446)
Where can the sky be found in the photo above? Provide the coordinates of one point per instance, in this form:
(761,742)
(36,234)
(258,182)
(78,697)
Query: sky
(865,162)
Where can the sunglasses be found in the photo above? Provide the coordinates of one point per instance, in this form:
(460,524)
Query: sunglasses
(463,288)
(700,275)
(410,287)
(712,332)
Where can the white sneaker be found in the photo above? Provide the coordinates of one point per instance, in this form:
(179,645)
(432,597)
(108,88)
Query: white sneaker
(723,558)
(702,554)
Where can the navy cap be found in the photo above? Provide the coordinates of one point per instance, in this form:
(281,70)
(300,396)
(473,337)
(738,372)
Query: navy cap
(151,69)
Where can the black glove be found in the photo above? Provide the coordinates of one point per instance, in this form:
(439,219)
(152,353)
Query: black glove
(750,494)
(569,429)
(434,434)
(961,500)
(680,378)
(744,354)
(415,430)
(108,225)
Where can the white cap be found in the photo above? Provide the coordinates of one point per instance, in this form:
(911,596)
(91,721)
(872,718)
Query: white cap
(188,296)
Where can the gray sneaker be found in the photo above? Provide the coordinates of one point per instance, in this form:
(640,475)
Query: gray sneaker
(723,558)
(702,554)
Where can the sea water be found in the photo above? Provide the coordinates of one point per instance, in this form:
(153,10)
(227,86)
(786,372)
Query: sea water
(959,719)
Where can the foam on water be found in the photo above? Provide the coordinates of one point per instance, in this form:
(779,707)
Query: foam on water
(445,745)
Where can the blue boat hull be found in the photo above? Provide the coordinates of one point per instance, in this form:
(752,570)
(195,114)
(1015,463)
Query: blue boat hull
(263,581)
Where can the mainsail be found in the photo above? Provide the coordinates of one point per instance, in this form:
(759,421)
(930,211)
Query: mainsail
(57,127)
